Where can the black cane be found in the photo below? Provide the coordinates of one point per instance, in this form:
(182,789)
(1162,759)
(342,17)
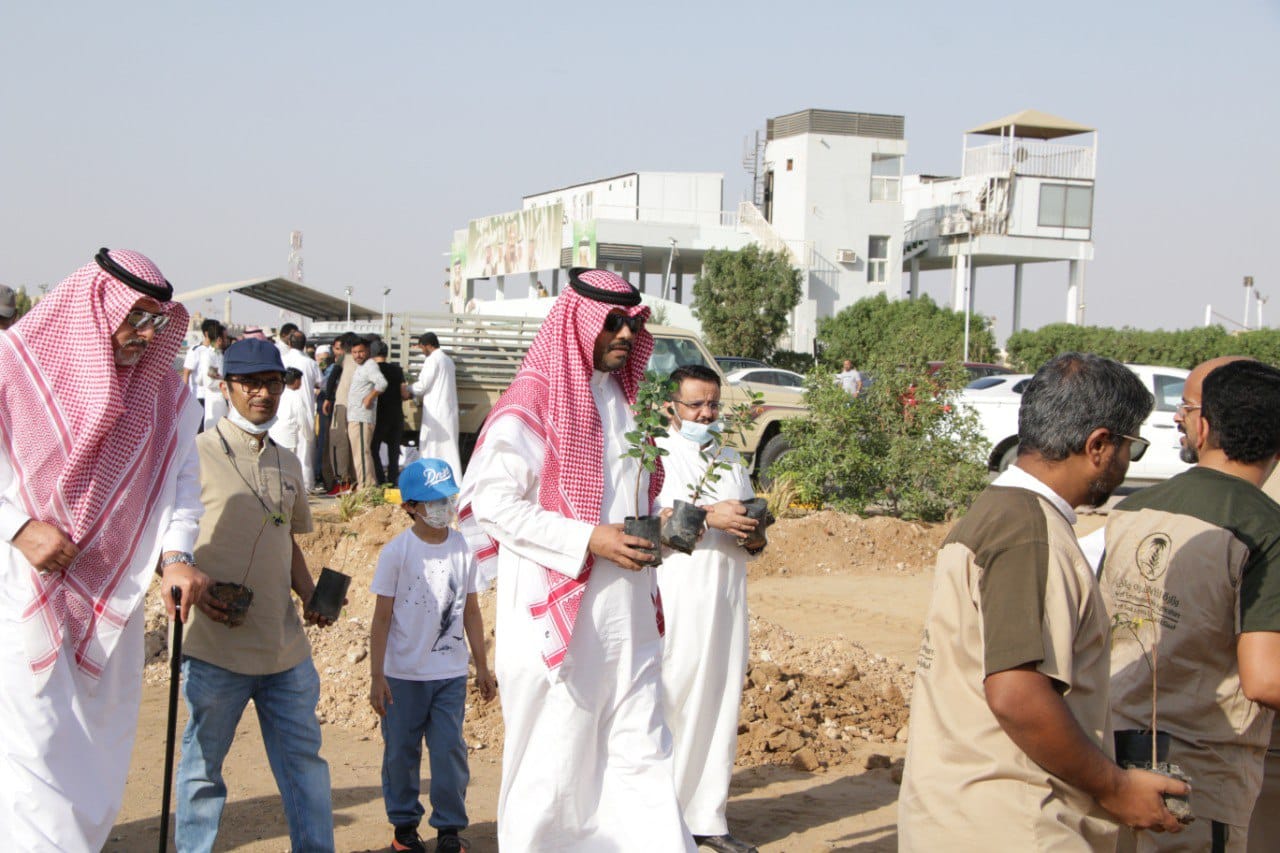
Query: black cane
(175,673)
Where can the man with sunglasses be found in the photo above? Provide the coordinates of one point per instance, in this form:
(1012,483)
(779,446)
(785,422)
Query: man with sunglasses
(586,759)
(255,501)
(1010,737)
(99,492)
(1197,560)
(704,597)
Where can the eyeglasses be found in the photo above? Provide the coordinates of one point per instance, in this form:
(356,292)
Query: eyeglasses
(1185,407)
(1137,446)
(713,405)
(614,322)
(253,386)
(140,319)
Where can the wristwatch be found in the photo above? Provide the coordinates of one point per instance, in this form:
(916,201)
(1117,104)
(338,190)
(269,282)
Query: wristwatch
(177,557)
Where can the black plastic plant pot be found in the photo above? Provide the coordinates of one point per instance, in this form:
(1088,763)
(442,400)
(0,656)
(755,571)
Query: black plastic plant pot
(680,532)
(646,527)
(235,598)
(1133,749)
(757,508)
(330,592)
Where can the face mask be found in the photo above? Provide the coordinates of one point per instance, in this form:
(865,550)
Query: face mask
(436,513)
(698,433)
(241,421)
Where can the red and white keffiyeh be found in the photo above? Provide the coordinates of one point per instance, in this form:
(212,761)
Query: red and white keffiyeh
(90,445)
(551,395)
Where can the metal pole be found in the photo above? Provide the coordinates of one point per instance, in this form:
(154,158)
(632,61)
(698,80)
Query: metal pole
(1248,291)
(666,277)
(348,292)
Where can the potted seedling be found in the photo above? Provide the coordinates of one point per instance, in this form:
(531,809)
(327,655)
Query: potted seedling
(1149,749)
(651,424)
(687,519)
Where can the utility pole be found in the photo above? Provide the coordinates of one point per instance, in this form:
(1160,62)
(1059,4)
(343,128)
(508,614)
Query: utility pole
(348,292)
(1248,292)
(666,277)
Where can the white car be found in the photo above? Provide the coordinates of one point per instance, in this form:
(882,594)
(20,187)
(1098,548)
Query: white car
(765,376)
(996,405)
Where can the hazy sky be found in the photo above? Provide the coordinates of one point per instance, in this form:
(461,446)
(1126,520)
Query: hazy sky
(203,135)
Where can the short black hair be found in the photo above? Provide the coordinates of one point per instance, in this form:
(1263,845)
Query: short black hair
(1241,402)
(359,342)
(692,371)
(428,339)
(286,329)
(209,328)
(1073,394)
(349,339)
(296,339)
(292,375)
(378,349)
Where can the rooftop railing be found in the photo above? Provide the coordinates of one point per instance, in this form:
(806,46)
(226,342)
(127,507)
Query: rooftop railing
(1031,157)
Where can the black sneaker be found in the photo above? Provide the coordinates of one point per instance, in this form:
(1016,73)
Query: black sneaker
(451,843)
(408,841)
(723,844)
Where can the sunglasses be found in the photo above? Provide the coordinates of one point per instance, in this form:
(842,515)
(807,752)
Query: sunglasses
(1137,447)
(614,322)
(139,319)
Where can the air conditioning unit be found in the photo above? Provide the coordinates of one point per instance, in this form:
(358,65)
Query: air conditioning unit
(846,256)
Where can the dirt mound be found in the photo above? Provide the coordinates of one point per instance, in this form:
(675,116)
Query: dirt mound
(806,703)
(829,542)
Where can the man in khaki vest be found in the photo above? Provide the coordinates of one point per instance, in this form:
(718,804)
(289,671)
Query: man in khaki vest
(1193,565)
(1010,745)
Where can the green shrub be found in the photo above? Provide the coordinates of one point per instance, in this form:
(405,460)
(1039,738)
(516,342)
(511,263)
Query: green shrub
(879,332)
(1179,348)
(901,446)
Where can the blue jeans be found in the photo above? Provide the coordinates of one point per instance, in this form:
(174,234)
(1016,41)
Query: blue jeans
(286,704)
(430,709)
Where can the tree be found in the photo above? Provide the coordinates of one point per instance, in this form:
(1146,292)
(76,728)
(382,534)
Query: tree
(879,334)
(22,301)
(743,300)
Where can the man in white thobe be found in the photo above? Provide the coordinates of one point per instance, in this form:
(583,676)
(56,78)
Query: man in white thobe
(294,357)
(586,759)
(438,391)
(99,491)
(294,429)
(704,600)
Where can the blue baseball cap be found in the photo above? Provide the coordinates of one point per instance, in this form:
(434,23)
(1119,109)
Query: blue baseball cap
(427,480)
(251,355)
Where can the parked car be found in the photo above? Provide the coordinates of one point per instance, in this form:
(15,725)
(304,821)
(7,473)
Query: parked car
(766,376)
(975,369)
(730,363)
(1002,384)
(996,405)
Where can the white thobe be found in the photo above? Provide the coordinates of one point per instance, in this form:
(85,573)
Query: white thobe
(586,763)
(294,430)
(65,744)
(438,391)
(311,377)
(215,405)
(704,657)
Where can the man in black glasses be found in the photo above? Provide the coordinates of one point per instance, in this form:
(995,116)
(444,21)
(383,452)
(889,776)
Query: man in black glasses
(1194,562)
(1010,731)
(249,643)
(99,492)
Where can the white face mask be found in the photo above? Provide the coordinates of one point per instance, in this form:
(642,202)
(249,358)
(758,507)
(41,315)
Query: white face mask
(436,513)
(698,433)
(245,424)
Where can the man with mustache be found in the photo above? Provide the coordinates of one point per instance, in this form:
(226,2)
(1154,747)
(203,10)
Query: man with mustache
(99,492)
(1010,742)
(255,502)
(1197,560)
(587,760)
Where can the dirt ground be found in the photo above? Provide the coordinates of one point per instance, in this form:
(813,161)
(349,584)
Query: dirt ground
(837,603)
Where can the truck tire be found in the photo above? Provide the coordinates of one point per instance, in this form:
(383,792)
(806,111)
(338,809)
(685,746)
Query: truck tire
(773,450)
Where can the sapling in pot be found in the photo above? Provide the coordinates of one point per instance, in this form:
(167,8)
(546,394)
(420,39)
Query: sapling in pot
(1149,749)
(681,530)
(651,424)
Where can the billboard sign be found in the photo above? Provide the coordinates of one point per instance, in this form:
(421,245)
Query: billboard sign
(523,241)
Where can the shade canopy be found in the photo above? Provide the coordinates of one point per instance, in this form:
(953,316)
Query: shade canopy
(287,294)
(1032,124)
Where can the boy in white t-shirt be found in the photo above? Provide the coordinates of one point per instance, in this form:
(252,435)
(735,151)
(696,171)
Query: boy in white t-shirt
(426,583)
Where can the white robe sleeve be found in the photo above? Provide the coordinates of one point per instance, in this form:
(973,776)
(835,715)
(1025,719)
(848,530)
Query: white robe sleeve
(427,377)
(184,523)
(12,516)
(503,477)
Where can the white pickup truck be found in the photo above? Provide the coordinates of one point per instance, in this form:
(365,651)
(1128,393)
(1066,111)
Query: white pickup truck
(995,399)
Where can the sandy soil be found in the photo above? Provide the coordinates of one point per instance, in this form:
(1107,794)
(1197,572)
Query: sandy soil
(837,604)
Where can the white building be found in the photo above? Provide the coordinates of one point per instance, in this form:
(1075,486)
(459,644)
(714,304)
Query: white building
(1019,199)
(830,193)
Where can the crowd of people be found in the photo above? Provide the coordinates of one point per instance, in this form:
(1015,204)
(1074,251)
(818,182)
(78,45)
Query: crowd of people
(620,681)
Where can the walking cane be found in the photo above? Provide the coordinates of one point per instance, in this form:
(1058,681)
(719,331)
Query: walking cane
(175,673)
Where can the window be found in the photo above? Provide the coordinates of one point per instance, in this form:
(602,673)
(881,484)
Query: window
(1065,206)
(670,353)
(886,177)
(790,164)
(877,259)
(1168,392)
